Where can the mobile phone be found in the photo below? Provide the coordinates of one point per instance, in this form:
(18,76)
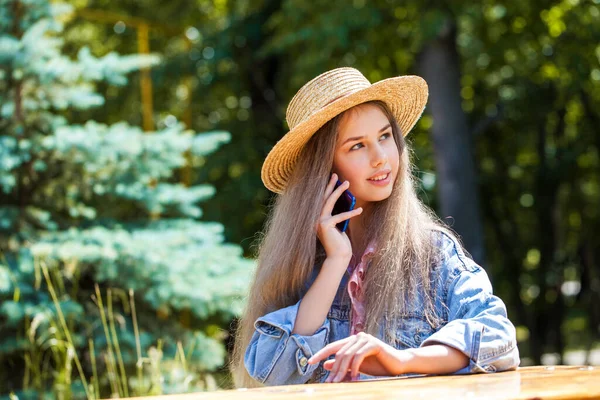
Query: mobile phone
(345,203)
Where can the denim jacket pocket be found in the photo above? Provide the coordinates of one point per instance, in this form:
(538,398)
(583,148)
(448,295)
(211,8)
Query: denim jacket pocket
(411,330)
(339,312)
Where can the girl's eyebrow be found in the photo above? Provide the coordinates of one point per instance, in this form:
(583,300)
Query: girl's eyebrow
(361,137)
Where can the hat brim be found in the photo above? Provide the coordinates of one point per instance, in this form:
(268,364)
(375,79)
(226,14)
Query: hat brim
(406,97)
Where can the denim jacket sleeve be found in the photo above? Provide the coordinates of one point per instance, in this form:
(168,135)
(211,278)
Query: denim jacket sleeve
(477,320)
(275,356)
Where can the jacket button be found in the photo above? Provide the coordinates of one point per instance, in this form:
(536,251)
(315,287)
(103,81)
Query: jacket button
(303,362)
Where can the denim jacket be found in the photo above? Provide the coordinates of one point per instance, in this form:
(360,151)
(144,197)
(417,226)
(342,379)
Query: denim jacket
(474,321)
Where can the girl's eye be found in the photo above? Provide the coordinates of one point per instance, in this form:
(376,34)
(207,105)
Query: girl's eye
(387,135)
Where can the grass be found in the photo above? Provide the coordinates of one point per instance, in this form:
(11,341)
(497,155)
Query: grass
(53,351)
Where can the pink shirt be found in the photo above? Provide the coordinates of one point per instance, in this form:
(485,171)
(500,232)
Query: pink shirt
(356,289)
(357,295)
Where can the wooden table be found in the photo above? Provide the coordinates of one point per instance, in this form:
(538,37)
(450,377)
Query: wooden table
(559,382)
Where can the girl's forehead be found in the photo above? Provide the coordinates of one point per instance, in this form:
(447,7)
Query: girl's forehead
(361,120)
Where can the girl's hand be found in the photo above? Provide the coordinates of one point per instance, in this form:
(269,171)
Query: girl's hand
(362,353)
(336,243)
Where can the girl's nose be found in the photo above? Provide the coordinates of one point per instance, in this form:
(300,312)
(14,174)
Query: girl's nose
(379,156)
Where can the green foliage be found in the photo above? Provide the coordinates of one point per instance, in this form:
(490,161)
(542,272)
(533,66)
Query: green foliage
(529,88)
(95,204)
(143,259)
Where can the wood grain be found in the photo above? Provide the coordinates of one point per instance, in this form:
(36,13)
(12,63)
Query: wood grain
(559,382)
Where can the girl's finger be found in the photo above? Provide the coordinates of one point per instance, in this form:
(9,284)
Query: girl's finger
(348,358)
(328,350)
(328,365)
(328,191)
(355,366)
(359,357)
(330,186)
(342,357)
(335,195)
(342,363)
(336,219)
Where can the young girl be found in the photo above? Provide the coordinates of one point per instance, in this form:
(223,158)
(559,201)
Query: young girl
(393,294)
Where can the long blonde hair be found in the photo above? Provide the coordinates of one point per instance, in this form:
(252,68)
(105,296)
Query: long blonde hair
(401,226)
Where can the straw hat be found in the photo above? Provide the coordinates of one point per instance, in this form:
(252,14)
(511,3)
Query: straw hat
(328,95)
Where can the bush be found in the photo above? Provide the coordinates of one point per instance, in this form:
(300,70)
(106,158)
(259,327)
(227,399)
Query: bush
(91,214)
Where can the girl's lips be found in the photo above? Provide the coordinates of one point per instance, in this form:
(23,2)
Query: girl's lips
(382,182)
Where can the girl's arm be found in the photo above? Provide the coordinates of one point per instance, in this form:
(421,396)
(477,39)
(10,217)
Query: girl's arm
(284,339)
(317,301)
(431,359)
(371,356)
(478,336)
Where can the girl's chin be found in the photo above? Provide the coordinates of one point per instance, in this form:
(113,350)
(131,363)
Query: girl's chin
(372,197)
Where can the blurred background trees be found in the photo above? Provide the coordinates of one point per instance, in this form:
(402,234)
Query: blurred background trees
(507,151)
(92,211)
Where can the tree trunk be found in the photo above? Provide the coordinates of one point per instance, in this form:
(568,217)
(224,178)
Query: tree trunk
(457,184)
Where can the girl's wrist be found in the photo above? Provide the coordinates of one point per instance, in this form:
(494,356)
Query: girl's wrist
(338,262)
(431,359)
(404,361)
(333,269)
(339,257)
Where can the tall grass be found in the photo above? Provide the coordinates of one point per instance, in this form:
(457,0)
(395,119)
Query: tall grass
(53,353)
(71,352)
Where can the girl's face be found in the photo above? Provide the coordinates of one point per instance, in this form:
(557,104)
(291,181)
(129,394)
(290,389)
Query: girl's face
(365,153)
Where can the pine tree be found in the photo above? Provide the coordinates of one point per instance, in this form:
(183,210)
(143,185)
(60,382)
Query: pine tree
(85,208)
